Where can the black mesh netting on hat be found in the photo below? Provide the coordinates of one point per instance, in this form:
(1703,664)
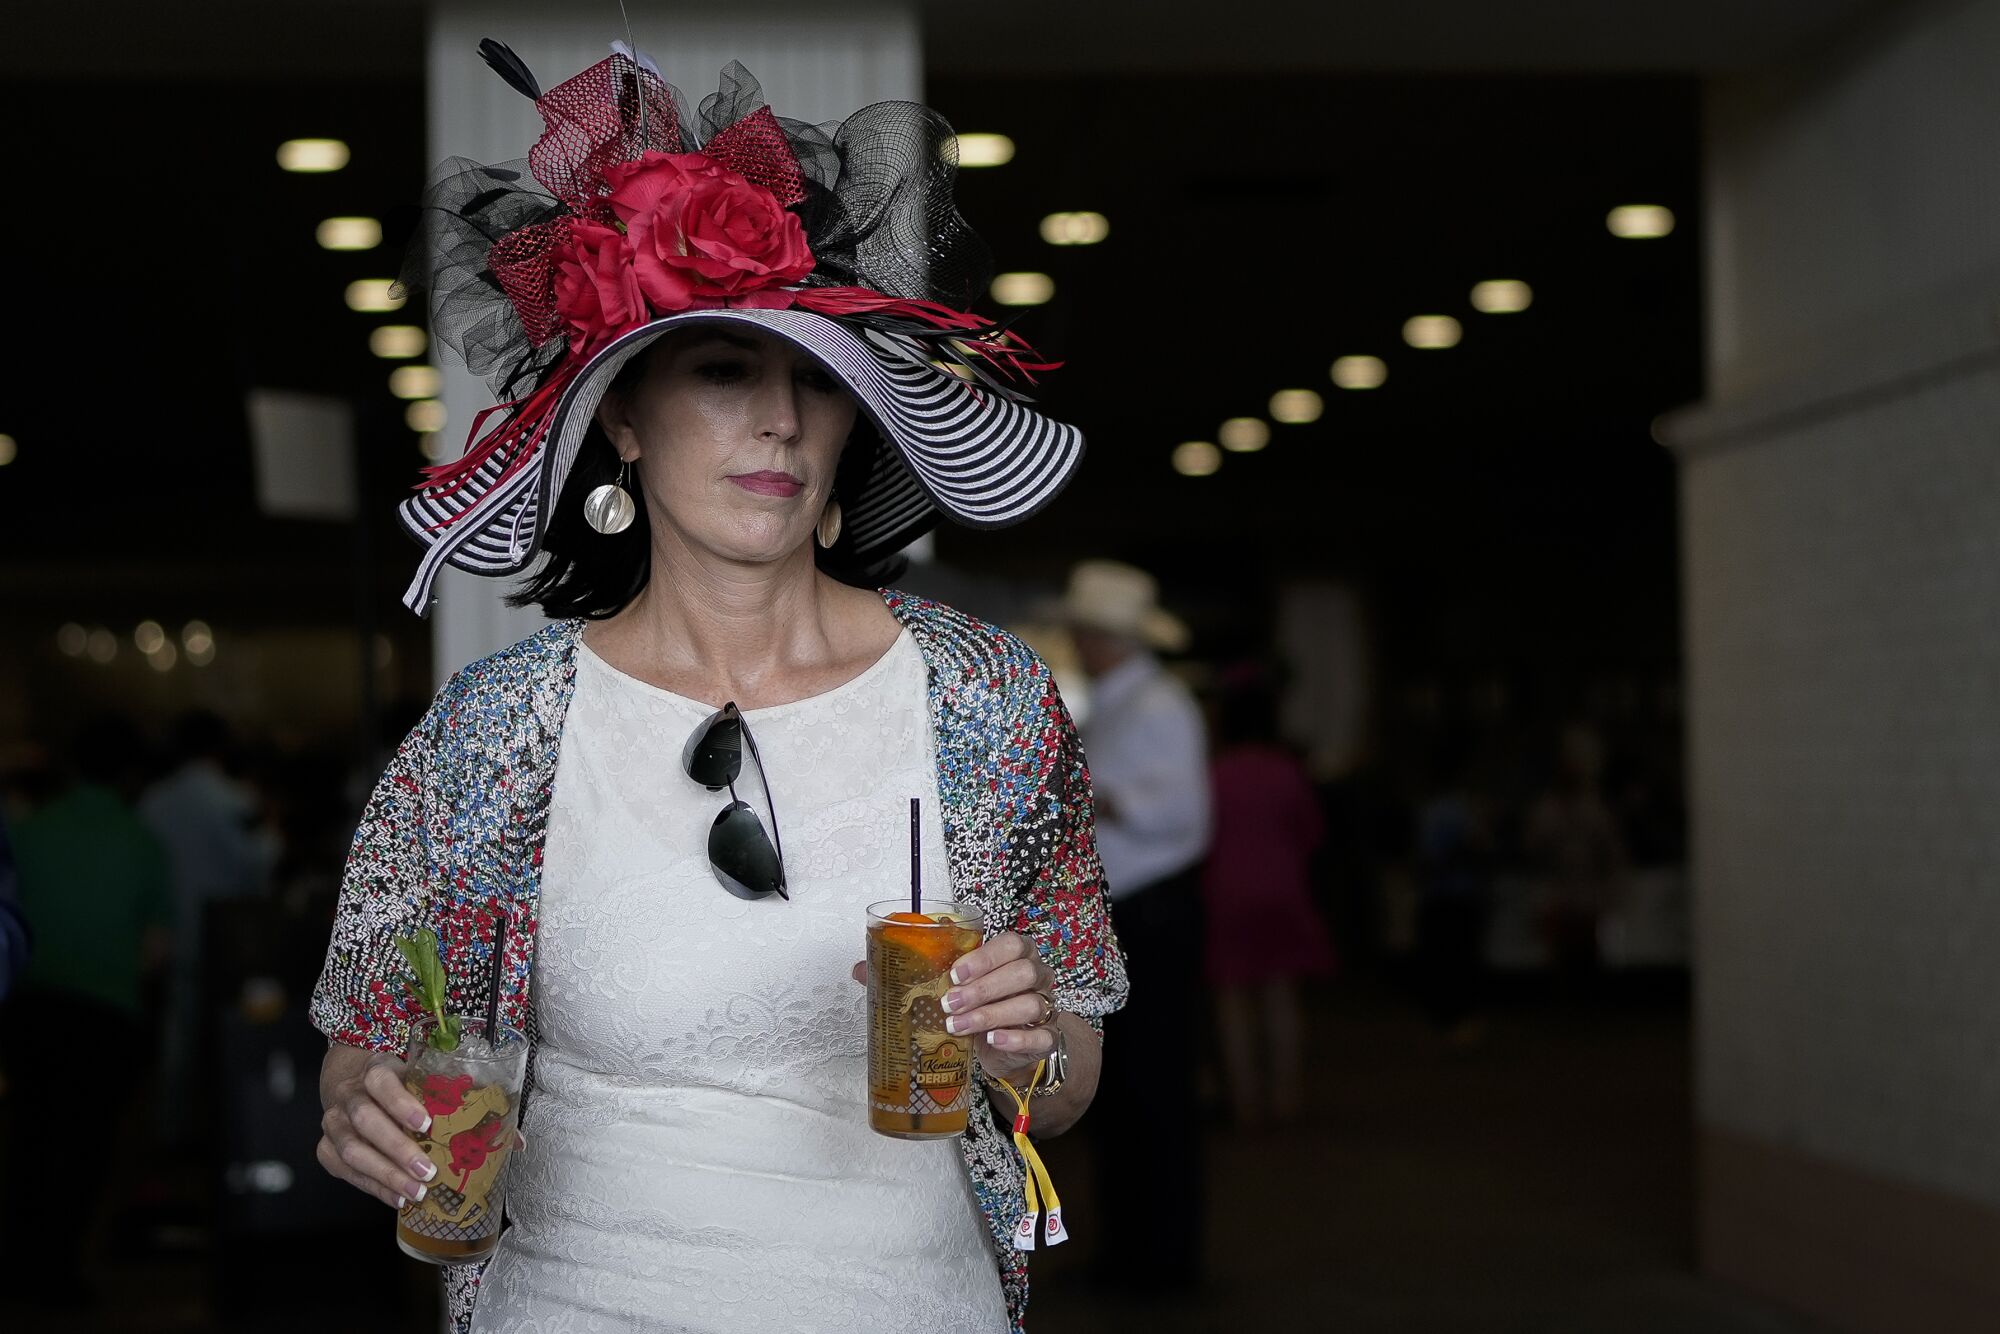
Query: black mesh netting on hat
(877,210)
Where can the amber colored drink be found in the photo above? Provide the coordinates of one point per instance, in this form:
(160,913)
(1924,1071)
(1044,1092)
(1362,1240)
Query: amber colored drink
(473,1094)
(918,1074)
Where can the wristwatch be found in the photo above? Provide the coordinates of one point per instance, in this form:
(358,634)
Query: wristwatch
(1058,1063)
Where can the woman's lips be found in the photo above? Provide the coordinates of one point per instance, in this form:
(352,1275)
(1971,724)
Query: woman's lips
(769,483)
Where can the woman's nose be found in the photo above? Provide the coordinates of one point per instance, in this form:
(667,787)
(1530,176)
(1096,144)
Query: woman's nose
(778,409)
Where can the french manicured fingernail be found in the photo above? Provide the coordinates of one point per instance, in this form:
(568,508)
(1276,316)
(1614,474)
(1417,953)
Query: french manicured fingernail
(402,1203)
(951,1025)
(421,1124)
(952,1000)
(423,1169)
(995,1037)
(957,974)
(421,1192)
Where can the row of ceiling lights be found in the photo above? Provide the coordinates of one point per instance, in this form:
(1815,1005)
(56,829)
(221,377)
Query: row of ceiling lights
(1247,435)
(1429,333)
(150,638)
(419,385)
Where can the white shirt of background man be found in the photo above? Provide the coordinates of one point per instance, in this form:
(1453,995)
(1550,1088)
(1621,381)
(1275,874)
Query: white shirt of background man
(1148,756)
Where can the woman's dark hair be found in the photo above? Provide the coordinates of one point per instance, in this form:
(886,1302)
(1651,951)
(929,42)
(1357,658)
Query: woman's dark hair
(596,575)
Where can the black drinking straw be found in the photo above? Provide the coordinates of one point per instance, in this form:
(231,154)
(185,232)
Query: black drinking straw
(916,858)
(493,992)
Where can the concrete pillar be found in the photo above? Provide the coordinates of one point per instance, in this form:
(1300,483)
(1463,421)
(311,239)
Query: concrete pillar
(816,63)
(1841,510)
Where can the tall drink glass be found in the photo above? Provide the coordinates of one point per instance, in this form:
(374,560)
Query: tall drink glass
(473,1094)
(918,1074)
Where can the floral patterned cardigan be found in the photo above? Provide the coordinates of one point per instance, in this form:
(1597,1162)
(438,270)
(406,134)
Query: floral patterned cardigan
(452,840)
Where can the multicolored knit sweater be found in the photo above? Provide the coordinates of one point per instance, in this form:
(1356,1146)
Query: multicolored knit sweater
(452,840)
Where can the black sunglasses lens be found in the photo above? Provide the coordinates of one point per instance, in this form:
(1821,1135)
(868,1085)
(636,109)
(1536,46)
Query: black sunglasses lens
(742,855)
(713,756)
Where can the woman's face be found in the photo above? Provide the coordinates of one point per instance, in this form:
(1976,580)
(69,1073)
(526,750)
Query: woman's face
(734,434)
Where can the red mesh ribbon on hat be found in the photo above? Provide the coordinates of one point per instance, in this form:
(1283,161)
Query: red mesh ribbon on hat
(523,263)
(594,119)
(756,149)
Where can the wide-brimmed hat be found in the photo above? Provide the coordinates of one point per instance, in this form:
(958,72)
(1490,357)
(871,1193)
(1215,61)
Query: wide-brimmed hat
(1119,599)
(635,216)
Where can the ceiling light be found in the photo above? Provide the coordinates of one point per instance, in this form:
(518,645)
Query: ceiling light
(424,416)
(1296,407)
(415,382)
(1196,458)
(431,445)
(72,639)
(1075,228)
(1023,289)
(394,341)
(8,450)
(373,294)
(1360,372)
(102,645)
(349,234)
(312,155)
(202,656)
(162,659)
(197,637)
(1639,222)
(1431,331)
(1244,435)
(148,637)
(985,150)
(1502,296)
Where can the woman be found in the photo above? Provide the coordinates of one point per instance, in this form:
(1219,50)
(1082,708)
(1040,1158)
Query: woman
(697,1151)
(1264,932)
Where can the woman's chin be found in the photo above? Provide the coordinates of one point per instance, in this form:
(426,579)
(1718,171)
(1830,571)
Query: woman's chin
(759,544)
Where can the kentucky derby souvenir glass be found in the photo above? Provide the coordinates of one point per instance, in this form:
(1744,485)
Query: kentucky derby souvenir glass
(918,1074)
(473,1094)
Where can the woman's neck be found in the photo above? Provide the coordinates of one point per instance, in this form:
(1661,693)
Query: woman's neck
(759,634)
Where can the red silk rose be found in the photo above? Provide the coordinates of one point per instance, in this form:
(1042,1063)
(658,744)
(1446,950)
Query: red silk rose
(597,291)
(702,235)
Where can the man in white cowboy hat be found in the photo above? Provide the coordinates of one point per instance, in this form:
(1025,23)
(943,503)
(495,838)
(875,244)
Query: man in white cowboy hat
(1147,751)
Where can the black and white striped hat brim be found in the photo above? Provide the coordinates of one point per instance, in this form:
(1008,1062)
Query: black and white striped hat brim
(947,447)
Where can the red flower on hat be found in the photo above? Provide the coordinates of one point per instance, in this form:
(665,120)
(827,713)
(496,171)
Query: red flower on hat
(597,292)
(702,235)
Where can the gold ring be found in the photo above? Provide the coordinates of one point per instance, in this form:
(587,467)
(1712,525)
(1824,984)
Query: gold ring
(1048,1010)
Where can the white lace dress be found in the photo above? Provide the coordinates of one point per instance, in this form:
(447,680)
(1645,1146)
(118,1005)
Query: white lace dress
(699,1155)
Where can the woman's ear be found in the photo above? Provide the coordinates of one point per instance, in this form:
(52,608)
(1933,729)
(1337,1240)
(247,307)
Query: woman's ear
(614,415)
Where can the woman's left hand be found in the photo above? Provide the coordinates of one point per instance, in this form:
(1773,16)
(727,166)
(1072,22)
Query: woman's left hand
(998,1000)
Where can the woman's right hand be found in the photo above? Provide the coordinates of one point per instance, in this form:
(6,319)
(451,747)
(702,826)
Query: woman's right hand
(369,1126)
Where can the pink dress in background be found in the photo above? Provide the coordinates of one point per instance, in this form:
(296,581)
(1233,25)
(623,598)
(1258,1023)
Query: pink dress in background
(1262,925)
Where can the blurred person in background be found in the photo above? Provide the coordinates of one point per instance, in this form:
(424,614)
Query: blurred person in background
(76,1037)
(220,846)
(1148,756)
(13,927)
(1455,863)
(1572,839)
(1264,932)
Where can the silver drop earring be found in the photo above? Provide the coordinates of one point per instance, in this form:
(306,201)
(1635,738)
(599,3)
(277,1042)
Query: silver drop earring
(609,508)
(828,528)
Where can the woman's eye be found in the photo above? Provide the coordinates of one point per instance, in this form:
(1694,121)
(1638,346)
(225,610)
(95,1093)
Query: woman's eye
(721,372)
(817,379)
